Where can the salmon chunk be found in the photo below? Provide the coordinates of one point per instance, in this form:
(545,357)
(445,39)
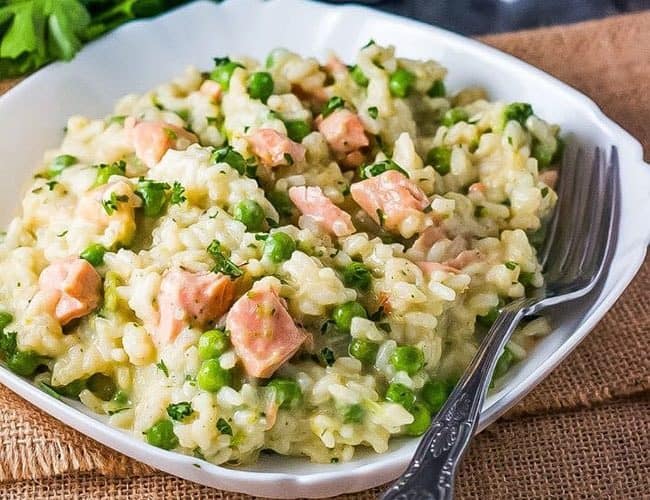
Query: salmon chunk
(152,139)
(275,149)
(430,267)
(389,198)
(73,288)
(464,259)
(262,332)
(427,239)
(345,135)
(314,204)
(191,298)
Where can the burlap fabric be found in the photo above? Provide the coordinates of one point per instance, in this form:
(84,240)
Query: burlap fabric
(583,433)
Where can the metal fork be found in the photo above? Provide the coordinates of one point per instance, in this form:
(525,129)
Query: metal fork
(580,241)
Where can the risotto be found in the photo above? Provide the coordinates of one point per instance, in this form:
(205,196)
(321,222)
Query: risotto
(294,257)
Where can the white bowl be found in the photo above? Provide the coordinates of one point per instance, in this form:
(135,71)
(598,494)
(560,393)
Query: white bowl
(142,54)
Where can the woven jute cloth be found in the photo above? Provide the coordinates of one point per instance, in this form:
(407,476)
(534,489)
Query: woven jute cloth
(584,432)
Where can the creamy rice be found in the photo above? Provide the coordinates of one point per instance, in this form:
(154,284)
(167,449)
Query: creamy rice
(386,303)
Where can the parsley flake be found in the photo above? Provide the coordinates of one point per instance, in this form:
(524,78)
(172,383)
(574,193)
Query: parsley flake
(163,367)
(223,264)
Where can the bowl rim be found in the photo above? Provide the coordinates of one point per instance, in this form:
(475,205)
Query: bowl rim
(383,467)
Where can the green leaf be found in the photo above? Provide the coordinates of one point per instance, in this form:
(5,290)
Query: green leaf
(223,264)
(67,21)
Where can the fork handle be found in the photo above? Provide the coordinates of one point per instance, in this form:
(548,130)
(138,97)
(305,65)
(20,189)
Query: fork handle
(430,475)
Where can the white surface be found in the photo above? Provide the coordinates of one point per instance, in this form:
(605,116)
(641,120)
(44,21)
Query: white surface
(143,54)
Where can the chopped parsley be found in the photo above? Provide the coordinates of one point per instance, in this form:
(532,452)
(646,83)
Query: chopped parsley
(327,355)
(373,112)
(179,411)
(163,367)
(332,105)
(223,264)
(178,194)
(110,205)
(224,427)
(379,168)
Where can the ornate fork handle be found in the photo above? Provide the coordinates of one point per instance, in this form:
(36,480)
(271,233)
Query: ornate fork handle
(430,475)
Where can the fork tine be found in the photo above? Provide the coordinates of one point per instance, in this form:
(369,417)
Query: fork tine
(568,175)
(588,221)
(569,238)
(595,266)
(576,226)
(601,195)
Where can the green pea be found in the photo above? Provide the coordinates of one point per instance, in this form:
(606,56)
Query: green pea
(358,77)
(401,82)
(453,116)
(24,363)
(504,363)
(279,247)
(343,314)
(281,202)
(407,358)
(251,214)
(5,319)
(437,89)
(400,394)
(287,392)
(153,195)
(94,254)
(161,434)
(223,72)
(104,172)
(517,111)
(440,159)
(260,85)
(421,420)
(357,275)
(72,389)
(59,164)
(364,350)
(231,157)
(353,414)
(212,377)
(297,130)
(543,153)
(213,344)
(102,386)
(435,393)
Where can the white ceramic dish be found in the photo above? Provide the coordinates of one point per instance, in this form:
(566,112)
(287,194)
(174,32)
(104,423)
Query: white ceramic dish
(142,54)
